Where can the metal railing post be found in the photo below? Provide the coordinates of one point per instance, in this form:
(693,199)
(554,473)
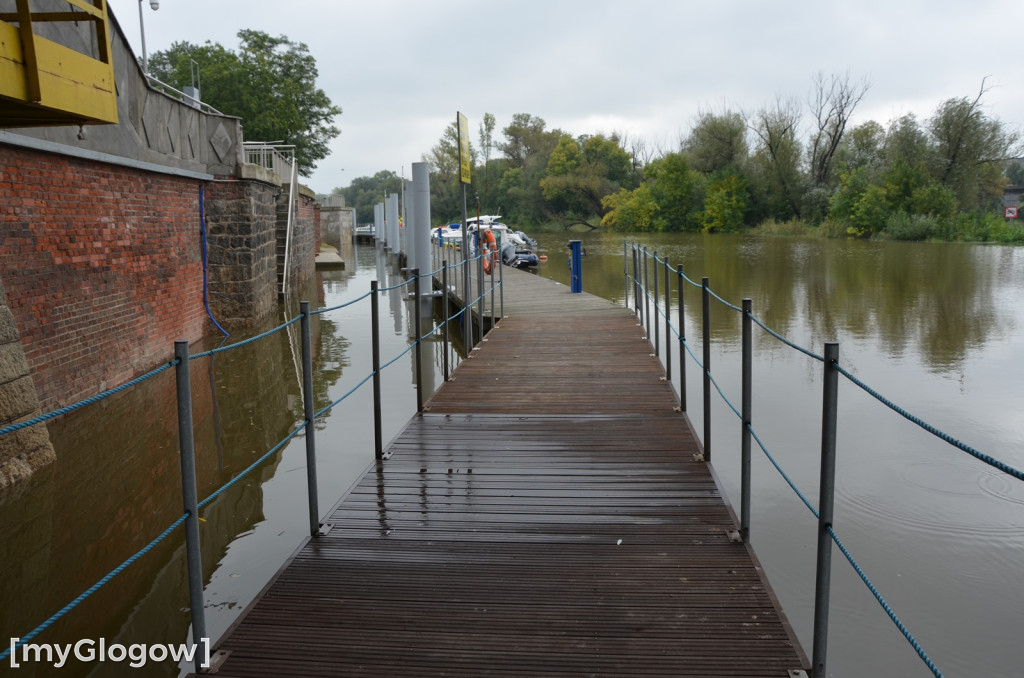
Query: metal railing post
(657,293)
(682,341)
(625,273)
(444,314)
(748,385)
(378,435)
(307,405)
(417,319)
(501,290)
(668,324)
(826,497)
(706,312)
(647,298)
(188,491)
(636,286)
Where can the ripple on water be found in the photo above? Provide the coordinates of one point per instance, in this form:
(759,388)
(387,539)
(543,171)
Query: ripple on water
(945,498)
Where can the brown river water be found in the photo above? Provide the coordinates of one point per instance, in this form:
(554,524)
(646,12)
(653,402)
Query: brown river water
(937,328)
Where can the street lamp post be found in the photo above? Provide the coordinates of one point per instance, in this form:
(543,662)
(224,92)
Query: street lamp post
(154,5)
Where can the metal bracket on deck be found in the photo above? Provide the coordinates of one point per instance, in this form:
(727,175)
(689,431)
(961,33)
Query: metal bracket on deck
(698,456)
(325,529)
(734,536)
(797,673)
(662,378)
(677,409)
(217,660)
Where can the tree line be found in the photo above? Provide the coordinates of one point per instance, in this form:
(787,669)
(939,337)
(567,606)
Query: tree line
(787,166)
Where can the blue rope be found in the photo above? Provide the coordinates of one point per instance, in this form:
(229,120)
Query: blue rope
(778,468)
(395,359)
(719,389)
(396,286)
(339,306)
(692,355)
(885,606)
(338,401)
(733,307)
(991,461)
(785,341)
(94,588)
(253,465)
(250,340)
(88,401)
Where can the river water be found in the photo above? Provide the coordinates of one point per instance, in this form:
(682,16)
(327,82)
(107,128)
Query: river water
(936,328)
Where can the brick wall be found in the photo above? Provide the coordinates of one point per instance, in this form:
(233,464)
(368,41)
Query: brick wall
(102,267)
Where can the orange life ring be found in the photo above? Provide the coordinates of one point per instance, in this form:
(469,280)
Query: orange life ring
(489,247)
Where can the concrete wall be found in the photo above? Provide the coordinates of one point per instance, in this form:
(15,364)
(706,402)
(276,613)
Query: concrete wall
(338,221)
(152,127)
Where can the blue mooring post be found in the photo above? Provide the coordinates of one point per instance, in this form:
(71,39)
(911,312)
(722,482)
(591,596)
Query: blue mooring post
(575,266)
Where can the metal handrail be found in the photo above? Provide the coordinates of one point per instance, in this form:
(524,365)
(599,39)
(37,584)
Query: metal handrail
(188,99)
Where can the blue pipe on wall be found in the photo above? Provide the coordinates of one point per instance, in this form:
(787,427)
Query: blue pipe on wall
(202,230)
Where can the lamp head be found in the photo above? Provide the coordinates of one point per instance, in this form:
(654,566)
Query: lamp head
(154,4)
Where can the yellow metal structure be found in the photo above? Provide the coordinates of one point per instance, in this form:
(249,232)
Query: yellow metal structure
(43,82)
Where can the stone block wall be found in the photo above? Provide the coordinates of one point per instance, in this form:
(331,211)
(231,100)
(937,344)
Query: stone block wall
(240,220)
(26,450)
(102,266)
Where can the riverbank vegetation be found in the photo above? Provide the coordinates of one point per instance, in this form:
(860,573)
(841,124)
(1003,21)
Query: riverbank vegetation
(788,167)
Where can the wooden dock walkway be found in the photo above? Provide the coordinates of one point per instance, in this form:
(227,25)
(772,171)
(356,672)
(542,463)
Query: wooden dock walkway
(544,517)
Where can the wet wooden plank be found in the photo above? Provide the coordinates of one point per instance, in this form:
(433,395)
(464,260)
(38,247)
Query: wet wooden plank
(545,516)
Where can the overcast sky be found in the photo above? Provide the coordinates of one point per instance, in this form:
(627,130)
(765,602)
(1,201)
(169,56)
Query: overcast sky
(401,69)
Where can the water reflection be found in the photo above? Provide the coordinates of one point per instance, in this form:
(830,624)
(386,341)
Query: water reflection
(939,298)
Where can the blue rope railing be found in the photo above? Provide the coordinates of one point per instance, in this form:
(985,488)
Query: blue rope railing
(5,653)
(88,401)
(849,556)
(240,344)
(991,461)
(95,587)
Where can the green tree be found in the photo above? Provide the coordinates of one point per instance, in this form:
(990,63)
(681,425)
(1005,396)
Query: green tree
(776,160)
(445,173)
(717,141)
(270,83)
(365,192)
(725,205)
(630,210)
(677,190)
(581,172)
(527,146)
(970,148)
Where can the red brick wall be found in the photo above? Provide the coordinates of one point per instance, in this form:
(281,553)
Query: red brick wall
(102,266)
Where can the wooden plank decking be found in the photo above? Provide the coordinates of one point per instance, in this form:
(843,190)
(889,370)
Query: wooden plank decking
(546,516)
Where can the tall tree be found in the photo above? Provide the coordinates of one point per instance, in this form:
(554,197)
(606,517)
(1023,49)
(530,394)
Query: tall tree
(832,103)
(717,141)
(969,150)
(527,146)
(486,146)
(270,83)
(778,156)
